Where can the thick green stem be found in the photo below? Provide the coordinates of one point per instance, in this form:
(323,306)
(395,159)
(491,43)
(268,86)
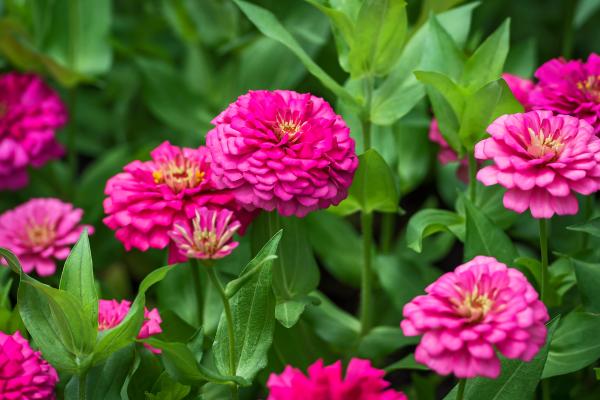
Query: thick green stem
(195,270)
(212,275)
(82,380)
(366,275)
(462,383)
(472,178)
(544,256)
(387,231)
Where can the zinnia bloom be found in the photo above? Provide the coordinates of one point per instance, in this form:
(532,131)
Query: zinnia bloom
(570,87)
(521,88)
(148,198)
(24,374)
(30,114)
(468,314)
(543,160)
(210,235)
(40,232)
(112,312)
(362,382)
(282,150)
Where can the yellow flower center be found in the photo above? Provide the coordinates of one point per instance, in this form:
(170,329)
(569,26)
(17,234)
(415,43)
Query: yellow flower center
(288,127)
(540,144)
(40,234)
(179,174)
(591,86)
(474,306)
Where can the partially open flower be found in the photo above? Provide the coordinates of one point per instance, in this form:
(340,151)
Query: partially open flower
(24,374)
(362,382)
(469,314)
(40,232)
(209,236)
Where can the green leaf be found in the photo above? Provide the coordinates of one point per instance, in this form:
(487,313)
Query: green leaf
(253,311)
(483,237)
(270,26)
(517,381)
(288,311)
(378,37)
(407,362)
(413,152)
(446,87)
(168,389)
(588,282)
(591,227)
(574,345)
(426,222)
(384,340)
(78,278)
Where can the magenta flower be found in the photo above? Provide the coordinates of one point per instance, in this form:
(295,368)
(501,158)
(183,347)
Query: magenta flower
(112,312)
(210,235)
(362,382)
(543,160)
(40,232)
(146,200)
(570,87)
(282,150)
(24,374)
(30,114)
(468,314)
(521,88)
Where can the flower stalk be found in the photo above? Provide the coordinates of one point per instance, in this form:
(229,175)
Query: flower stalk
(544,257)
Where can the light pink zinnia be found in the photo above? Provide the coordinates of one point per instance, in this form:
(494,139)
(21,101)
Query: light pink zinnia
(543,160)
(146,200)
(24,374)
(112,312)
(362,382)
(468,314)
(282,150)
(40,232)
(209,236)
(30,114)
(570,87)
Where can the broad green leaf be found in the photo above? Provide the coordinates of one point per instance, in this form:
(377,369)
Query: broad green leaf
(585,10)
(288,311)
(429,221)
(78,279)
(384,340)
(447,119)
(588,282)
(168,389)
(378,37)
(268,24)
(591,227)
(407,362)
(446,87)
(517,381)
(574,345)
(253,311)
(483,237)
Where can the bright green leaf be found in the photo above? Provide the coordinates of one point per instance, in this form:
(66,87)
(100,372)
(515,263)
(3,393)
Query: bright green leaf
(426,222)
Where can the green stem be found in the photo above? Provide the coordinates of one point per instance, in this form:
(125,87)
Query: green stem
(195,269)
(82,380)
(544,256)
(366,274)
(588,210)
(472,178)
(387,231)
(72,135)
(462,383)
(212,275)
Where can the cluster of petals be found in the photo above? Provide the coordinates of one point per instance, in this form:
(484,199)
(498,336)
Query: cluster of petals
(208,236)
(362,382)
(543,160)
(569,87)
(112,312)
(282,150)
(24,374)
(30,114)
(469,314)
(148,198)
(40,232)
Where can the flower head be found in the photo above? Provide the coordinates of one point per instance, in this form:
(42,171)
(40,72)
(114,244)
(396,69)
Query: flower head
(543,160)
(30,114)
(210,235)
(147,199)
(282,150)
(24,374)
(112,312)
(40,232)
(362,382)
(570,87)
(468,314)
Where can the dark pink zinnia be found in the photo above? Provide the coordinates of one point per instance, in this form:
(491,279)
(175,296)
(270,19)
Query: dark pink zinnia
(24,374)
(30,114)
(148,198)
(362,382)
(543,160)
(282,150)
(570,87)
(469,314)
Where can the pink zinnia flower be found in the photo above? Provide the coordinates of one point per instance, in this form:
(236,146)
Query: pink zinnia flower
(209,236)
(543,160)
(521,88)
(30,114)
(570,87)
(362,382)
(468,314)
(24,374)
(146,200)
(40,232)
(112,312)
(282,150)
